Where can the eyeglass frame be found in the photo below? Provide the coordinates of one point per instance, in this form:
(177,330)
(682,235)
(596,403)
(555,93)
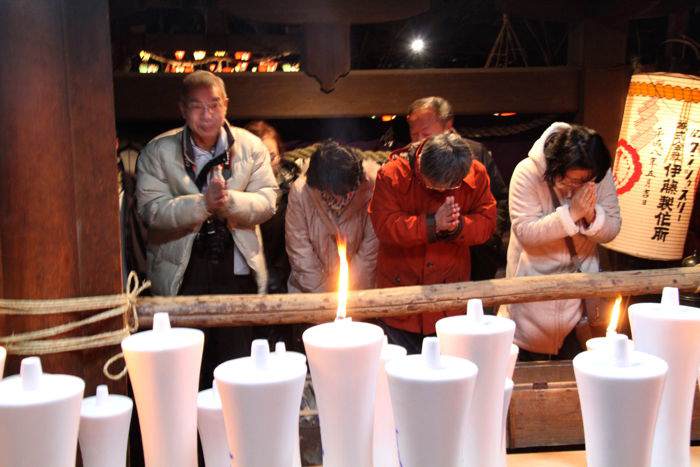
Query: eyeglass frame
(202,107)
(572,183)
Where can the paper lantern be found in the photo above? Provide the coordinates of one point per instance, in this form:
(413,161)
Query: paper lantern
(656,165)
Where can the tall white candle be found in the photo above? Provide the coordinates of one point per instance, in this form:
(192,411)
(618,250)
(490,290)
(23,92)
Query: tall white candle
(164,366)
(671,332)
(486,341)
(620,392)
(282,352)
(344,362)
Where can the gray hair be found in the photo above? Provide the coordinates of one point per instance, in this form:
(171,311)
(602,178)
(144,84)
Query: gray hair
(199,79)
(439,105)
(445,159)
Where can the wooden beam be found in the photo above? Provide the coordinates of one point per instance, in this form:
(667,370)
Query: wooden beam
(576,10)
(264,43)
(323,11)
(361,93)
(547,10)
(237,310)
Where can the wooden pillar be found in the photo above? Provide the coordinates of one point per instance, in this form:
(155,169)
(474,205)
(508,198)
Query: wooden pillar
(59,221)
(598,46)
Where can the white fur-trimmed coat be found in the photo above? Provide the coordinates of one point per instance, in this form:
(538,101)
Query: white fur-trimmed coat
(537,247)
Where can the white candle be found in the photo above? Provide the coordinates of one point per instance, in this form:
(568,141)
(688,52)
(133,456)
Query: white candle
(104,429)
(486,341)
(282,353)
(260,398)
(507,396)
(512,360)
(671,332)
(344,362)
(39,417)
(620,392)
(431,395)
(164,366)
(385,450)
(212,431)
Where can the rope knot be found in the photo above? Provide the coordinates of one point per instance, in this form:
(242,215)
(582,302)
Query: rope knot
(44,341)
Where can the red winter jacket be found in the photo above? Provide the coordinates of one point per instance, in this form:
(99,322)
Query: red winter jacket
(409,253)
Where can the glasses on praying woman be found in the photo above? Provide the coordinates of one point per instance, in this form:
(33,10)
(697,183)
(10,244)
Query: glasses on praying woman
(573,182)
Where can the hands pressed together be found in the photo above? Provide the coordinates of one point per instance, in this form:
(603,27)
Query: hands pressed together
(583,203)
(447,216)
(216,195)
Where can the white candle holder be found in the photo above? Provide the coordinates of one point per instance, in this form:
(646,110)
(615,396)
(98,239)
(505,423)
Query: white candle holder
(282,352)
(163,366)
(486,341)
(39,417)
(104,428)
(431,395)
(261,396)
(212,432)
(385,449)
(671,332)
(620,392)
(344,362)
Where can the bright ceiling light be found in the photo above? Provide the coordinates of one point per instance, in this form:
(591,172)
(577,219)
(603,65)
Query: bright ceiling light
(417,45)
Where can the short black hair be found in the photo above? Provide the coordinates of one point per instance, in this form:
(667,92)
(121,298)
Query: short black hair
(445,158)
(334,168)
(576,148)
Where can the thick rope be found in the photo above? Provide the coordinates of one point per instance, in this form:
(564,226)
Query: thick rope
(480,132)
(41,342)
(306,151)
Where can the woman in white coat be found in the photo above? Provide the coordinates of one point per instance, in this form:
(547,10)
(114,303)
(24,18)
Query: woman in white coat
(572,163)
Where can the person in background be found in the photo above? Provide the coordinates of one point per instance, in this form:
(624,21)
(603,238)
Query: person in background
(428,209)
(568,167)
(202,191)
(286,172)
(430,116)
(328,204)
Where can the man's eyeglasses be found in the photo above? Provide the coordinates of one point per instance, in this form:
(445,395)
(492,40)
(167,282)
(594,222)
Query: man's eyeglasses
(201,107)
(439,189)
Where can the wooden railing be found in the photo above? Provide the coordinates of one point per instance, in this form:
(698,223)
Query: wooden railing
(237,310)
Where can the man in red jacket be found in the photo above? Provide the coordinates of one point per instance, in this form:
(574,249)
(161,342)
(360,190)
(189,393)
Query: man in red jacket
(427,210)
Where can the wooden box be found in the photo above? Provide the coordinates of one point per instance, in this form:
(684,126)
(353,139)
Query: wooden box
(545,409)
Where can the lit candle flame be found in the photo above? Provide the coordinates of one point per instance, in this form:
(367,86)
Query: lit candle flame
(615,317)
(342,280)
